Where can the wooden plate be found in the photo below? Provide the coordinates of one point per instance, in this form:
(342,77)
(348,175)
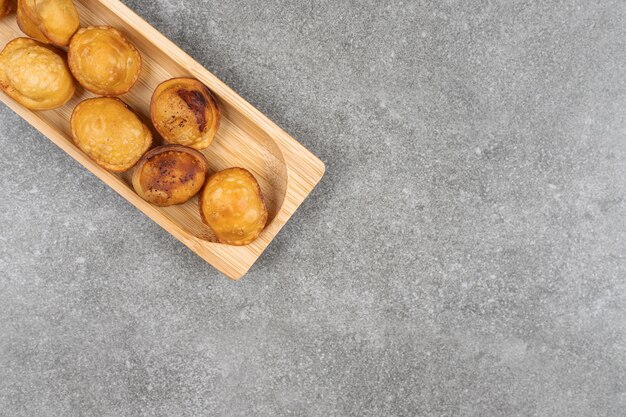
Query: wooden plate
(286,171)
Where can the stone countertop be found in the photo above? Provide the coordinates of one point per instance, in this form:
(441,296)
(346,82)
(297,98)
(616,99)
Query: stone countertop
(465,253)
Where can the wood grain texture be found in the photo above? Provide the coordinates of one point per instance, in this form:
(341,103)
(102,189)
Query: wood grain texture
(286,171)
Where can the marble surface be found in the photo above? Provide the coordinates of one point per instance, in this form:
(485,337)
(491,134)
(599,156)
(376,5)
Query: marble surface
(464,255)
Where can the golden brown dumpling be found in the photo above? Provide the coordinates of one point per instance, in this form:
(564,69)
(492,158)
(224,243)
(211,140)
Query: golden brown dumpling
(57,19)
(184,112)
(35,75)
(109,133)
(6,7)
(103,60)
(170,174)
(231,204)
(27,26)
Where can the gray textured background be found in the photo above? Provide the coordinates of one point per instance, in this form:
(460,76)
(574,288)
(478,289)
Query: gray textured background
(465,253)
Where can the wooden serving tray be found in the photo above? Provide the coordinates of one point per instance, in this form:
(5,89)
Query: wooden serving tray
(285,170)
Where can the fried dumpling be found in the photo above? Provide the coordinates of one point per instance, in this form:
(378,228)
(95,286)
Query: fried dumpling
(184,112)
(57,19)
(170,174)
(35,75)
(231,204)
(103,60)
(109,133)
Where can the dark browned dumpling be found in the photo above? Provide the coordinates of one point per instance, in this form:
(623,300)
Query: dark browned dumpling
(170,174)
(184,112)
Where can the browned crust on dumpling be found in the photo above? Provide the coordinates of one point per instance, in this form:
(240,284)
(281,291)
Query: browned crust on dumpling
(170,174)
(185,112)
